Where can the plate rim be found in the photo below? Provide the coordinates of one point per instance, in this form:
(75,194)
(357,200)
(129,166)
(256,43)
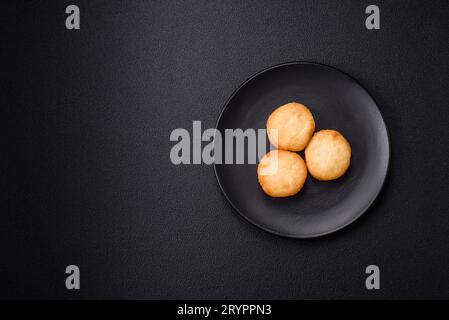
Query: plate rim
(361,212)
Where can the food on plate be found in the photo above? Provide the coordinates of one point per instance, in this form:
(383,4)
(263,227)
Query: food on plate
(328,155)
(290,126)
(281,173)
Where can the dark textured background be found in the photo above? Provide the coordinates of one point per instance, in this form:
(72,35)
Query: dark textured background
(86,177)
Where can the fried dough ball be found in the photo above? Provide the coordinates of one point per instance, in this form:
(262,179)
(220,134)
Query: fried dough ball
(281,173)
(290,127)
(328,155)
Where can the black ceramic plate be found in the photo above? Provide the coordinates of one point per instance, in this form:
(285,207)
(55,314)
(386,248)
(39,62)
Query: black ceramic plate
(337,102)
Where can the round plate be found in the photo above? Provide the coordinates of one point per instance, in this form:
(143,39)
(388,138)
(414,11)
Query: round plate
(337,102)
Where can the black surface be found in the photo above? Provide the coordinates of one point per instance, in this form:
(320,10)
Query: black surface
(85,172)
(337,102)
